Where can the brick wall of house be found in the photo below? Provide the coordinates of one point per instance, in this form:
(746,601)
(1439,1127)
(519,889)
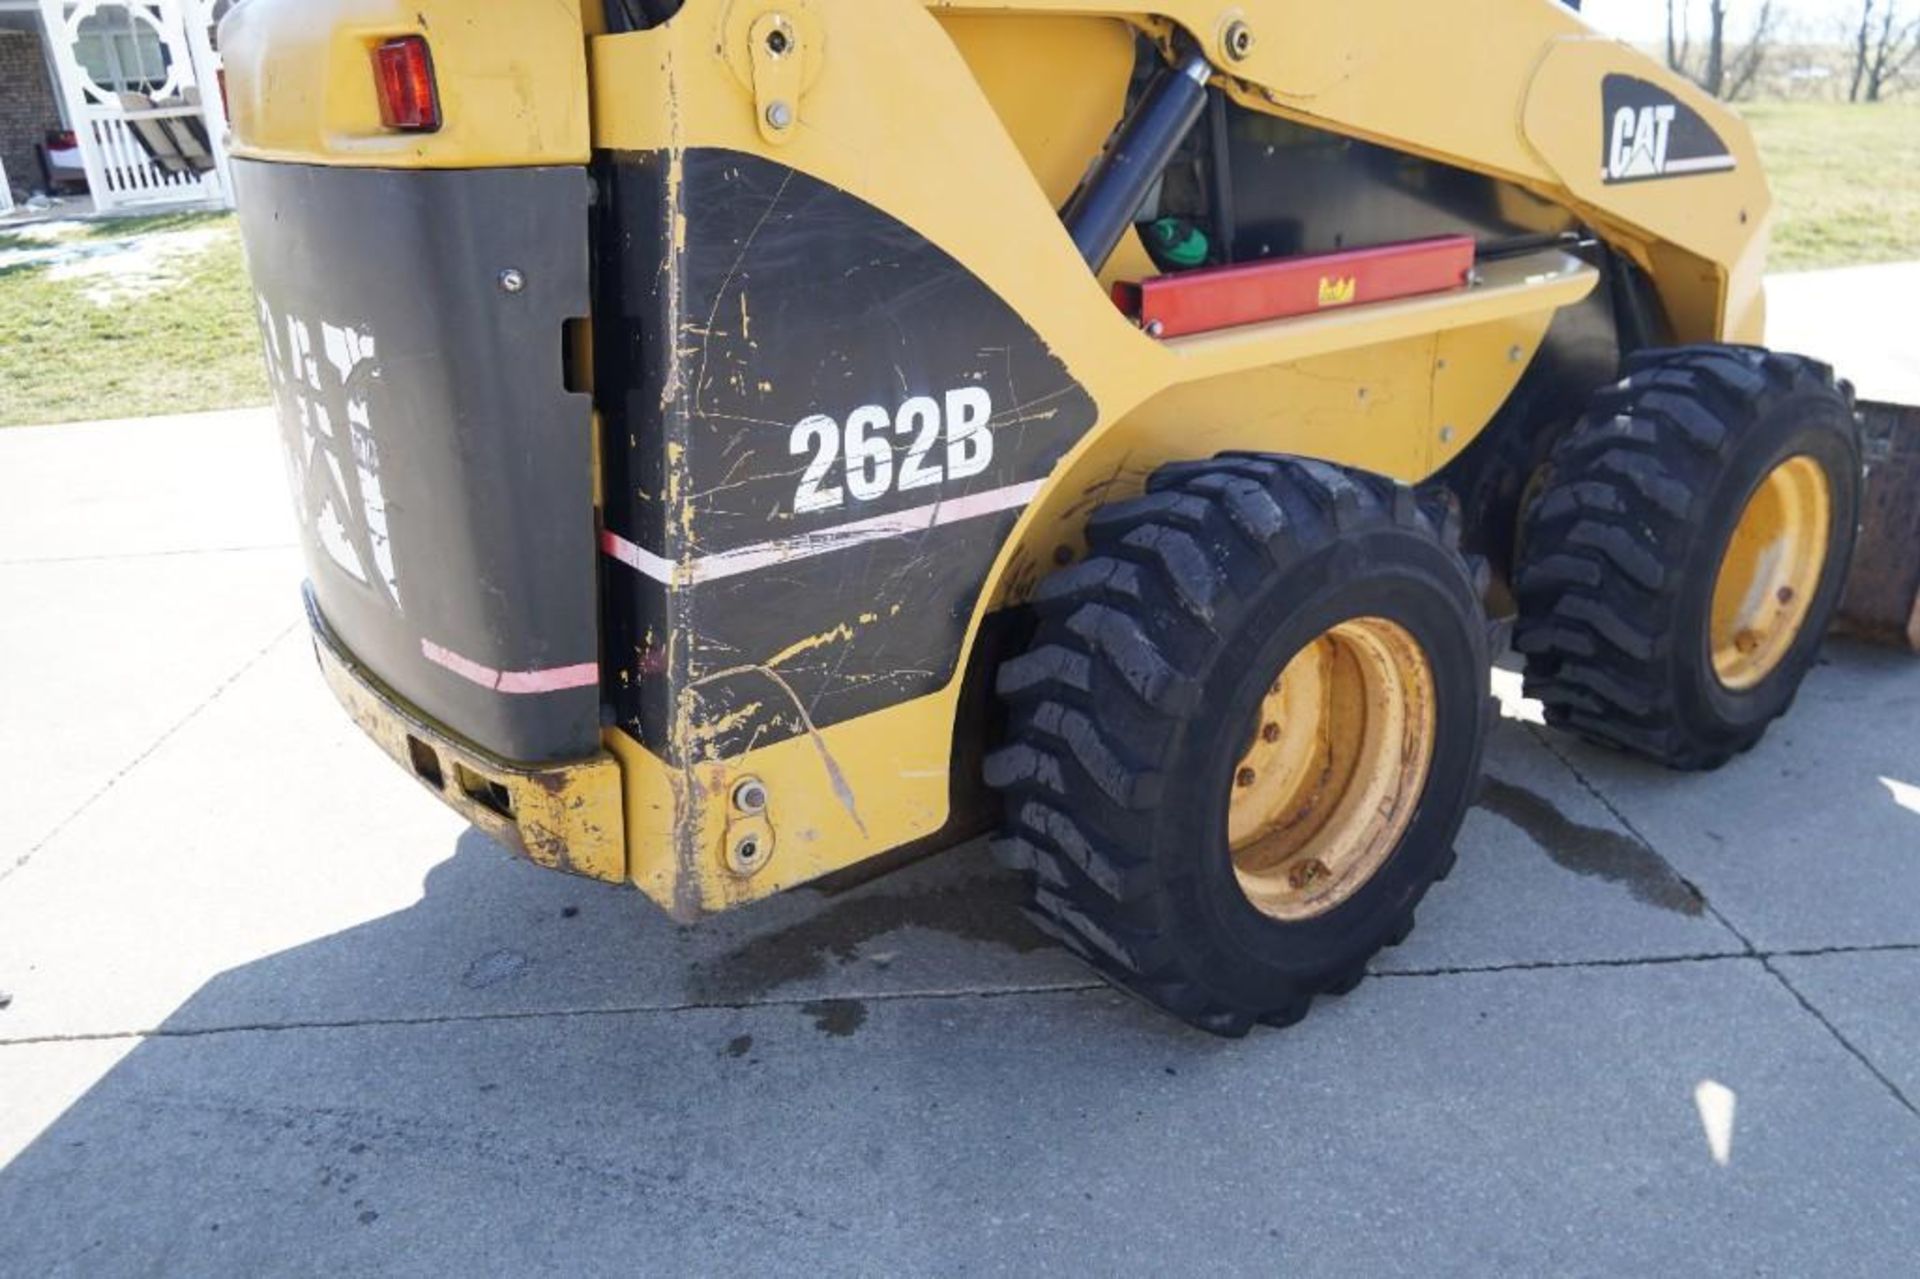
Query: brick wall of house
(27,108)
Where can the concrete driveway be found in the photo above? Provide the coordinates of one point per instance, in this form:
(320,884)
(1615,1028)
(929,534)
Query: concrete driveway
(267,1008)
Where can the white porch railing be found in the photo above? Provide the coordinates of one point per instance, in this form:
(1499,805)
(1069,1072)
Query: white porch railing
(131,175)
(122,170)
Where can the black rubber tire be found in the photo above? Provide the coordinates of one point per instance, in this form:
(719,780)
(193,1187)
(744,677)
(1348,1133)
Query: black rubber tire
(1504,485)
(1130,710)
(1623,548)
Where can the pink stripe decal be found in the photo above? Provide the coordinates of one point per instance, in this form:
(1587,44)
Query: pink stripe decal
(746,559)
(635,556)
(551,680)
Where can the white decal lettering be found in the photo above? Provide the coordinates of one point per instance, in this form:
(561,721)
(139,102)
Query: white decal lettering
(1638,143)
(1622,147)
(870,438)
(819,435)
(324,396)
(869,452)
(919,416)
(969,442)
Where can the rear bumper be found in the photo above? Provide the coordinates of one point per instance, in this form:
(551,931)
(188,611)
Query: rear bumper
(566,816)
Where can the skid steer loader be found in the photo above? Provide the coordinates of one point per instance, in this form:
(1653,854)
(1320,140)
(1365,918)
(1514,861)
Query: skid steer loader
(736,440)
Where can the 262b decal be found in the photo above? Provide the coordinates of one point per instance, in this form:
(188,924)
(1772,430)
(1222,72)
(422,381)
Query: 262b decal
(877,451)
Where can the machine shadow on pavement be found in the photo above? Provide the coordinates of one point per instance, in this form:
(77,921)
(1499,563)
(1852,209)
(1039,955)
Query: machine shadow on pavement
(527,1071)
(325,1083)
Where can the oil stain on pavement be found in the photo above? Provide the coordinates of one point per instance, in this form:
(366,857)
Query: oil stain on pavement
(1593,851)
(981,908)
(837,1017)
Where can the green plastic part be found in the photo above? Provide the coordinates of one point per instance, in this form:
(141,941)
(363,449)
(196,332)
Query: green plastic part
(1177,242)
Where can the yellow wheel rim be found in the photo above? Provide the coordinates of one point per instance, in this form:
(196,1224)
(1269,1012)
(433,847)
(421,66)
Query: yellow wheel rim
(1330,780)
(1770,572)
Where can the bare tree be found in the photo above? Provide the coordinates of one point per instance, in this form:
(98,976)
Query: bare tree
(1721,72)
(1679,38)
(1884,45)
(1714,78)
(1746,63)
(1862,35)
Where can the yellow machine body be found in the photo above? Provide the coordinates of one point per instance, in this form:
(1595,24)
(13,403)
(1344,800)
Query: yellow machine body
(971,122)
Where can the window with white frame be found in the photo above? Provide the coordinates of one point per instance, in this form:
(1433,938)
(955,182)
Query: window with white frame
(121,53)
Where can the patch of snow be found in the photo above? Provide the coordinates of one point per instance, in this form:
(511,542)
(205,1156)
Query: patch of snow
(119,271)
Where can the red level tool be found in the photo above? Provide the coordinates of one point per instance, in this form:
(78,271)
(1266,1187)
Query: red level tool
(1219,297)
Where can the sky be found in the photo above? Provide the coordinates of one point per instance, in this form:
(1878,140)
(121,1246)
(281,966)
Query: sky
(1646,20)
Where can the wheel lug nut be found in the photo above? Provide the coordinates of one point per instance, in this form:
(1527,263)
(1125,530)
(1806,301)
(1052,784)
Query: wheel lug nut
(1307,872)
(1269,732)
(1244,777)
(1785,595)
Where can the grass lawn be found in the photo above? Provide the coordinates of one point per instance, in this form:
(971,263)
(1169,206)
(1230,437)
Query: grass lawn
(150,315)
(1846,181)
(132,316)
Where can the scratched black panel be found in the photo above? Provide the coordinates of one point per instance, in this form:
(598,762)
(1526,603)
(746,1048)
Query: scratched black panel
(801,299)
(632,297)
(442,469)
(796,300)
(891,614)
